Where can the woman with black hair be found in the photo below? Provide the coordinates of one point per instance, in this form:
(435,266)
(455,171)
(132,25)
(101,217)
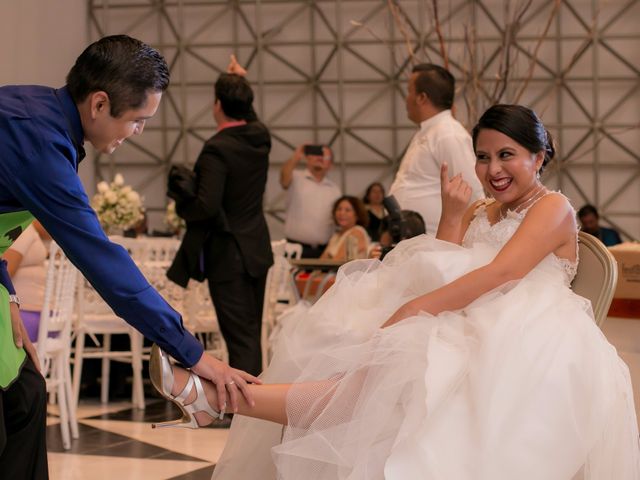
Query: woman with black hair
(373,197)
(465,356)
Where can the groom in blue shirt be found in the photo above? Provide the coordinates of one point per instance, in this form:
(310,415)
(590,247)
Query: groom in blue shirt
(114,87)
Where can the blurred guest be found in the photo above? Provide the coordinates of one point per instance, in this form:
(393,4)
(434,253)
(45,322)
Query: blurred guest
(411,225)
(373,198)
(26,265)
(441,139)
(351,239)
(589,219)
(310,195)
(227,239)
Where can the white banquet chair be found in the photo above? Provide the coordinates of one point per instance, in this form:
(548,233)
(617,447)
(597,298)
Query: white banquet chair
(54,338)
(597,275)
(94,317)
(280,293)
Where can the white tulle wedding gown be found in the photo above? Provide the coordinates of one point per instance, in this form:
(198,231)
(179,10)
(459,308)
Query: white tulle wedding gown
(521,384)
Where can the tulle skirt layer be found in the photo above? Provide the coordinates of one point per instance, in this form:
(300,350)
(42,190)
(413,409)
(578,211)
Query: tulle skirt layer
(520,384)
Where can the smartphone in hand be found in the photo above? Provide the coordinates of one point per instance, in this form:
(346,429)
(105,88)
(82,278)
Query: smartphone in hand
(314,150)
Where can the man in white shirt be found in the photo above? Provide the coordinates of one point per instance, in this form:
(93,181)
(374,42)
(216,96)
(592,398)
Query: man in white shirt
(310,198)
(441,138)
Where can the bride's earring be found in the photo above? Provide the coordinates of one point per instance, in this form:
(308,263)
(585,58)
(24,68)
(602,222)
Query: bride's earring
(538,175)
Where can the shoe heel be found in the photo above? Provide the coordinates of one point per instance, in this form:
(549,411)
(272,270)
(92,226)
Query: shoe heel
(156,370)
(181,423)
(161,375)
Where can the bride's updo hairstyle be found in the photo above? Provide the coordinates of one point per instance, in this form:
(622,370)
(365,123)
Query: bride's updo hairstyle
(522,125)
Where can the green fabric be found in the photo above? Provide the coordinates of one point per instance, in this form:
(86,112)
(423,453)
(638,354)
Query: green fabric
(11,357)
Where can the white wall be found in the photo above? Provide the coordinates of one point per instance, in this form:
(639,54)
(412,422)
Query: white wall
(39,41)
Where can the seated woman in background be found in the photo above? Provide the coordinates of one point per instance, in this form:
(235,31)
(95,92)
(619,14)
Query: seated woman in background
(351,240)
(26,266)
(372,199)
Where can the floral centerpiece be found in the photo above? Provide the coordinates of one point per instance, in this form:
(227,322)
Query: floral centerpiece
(172,220)
(117,205)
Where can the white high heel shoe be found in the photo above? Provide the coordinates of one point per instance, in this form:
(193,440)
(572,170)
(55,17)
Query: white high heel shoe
(162,378)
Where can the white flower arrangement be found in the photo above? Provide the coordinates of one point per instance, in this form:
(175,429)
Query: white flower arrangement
(172,220)
(117,205)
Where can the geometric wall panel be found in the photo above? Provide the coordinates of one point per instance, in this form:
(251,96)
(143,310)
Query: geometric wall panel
(335,72)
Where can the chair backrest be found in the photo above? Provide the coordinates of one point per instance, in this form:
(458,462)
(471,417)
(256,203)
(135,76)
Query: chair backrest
(293,250)
(199,315)
(597,275)
(159,249)
(155,271)
(279,285)
(59,297)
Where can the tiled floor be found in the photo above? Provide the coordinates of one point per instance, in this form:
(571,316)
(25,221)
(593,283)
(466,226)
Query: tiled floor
(117,443)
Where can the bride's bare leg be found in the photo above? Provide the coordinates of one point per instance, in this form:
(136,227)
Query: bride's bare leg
(270,400)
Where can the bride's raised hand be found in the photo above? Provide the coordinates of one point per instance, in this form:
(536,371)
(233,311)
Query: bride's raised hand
(455,193)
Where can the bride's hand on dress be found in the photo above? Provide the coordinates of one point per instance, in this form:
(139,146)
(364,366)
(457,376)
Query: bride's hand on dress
(407,310)
(226,379)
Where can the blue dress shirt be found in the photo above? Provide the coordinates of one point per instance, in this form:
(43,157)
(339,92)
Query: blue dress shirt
(41,141)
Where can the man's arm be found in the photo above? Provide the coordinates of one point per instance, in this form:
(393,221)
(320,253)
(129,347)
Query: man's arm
(211,175)
(286,172)
(46,184)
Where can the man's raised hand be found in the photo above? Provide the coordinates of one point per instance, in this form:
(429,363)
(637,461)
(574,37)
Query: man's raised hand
(235,68)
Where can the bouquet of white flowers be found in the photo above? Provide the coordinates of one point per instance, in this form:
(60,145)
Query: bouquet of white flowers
(172,220)
(117,205)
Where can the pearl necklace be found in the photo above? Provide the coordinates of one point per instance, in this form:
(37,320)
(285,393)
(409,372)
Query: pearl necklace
(539,192)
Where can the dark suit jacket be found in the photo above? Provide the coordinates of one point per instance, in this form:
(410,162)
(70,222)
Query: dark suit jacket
(226,230)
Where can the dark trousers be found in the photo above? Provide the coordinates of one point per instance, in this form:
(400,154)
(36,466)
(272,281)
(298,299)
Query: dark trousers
(23,413)
(238,304)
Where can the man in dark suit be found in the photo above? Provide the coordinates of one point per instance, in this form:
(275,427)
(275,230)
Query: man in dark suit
(227,240)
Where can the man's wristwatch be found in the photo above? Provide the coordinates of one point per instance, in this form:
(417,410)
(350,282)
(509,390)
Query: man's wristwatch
(14,299)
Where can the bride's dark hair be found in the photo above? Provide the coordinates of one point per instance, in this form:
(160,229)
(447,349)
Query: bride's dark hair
(522,125)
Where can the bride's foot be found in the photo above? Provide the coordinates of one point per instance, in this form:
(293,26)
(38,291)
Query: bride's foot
(180,380)
(196,399)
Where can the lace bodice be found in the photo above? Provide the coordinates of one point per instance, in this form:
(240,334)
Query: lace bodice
(482,231)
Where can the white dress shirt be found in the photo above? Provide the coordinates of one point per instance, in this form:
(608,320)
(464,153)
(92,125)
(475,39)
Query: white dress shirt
(309,204)
(417,184)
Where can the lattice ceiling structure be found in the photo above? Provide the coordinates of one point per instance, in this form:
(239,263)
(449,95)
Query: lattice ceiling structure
(335,72)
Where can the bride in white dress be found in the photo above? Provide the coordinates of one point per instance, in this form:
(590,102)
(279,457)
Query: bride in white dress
(487,365)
